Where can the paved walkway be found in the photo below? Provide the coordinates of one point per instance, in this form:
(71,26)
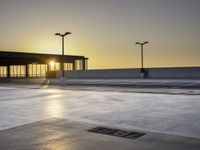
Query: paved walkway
(61,134)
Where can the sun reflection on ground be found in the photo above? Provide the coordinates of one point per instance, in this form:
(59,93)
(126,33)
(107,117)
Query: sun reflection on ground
(54,106)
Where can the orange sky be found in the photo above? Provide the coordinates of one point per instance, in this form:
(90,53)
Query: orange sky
(106,30)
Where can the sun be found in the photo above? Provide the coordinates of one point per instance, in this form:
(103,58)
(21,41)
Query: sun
(52,65)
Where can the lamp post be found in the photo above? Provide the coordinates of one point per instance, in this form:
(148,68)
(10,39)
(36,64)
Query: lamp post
(63,50)
(142,60)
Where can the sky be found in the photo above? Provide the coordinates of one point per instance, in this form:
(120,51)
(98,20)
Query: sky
(105,30)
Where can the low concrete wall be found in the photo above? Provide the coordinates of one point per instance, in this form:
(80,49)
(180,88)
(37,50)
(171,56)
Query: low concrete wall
(154,73)
(23,80)
(175,73)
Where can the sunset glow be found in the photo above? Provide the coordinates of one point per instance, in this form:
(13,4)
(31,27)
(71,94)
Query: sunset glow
(105,31)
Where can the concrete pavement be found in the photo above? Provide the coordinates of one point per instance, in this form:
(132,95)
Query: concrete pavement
(135,83)
(62,134)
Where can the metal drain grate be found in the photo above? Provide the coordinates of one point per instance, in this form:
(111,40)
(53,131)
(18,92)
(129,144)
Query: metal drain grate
(116,132)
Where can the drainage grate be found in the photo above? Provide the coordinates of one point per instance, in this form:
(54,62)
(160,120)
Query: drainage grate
(116,132)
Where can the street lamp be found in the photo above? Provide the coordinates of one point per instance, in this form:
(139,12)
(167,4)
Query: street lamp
(63,51)
(142,45)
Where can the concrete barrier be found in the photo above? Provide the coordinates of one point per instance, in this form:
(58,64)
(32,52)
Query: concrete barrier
(153,73)
(175,73)
(36,80)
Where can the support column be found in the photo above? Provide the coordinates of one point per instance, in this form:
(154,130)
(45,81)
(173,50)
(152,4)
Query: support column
(74,65)
(8,71)
(83,64)
(48,70)
(62,68)
(86,63)
(27,70)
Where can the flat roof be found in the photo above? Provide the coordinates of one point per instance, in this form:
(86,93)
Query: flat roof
(11,58)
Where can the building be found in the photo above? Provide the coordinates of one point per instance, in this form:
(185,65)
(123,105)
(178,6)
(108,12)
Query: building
(18,64)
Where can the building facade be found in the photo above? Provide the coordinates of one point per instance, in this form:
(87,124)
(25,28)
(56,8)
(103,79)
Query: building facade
(18,64)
